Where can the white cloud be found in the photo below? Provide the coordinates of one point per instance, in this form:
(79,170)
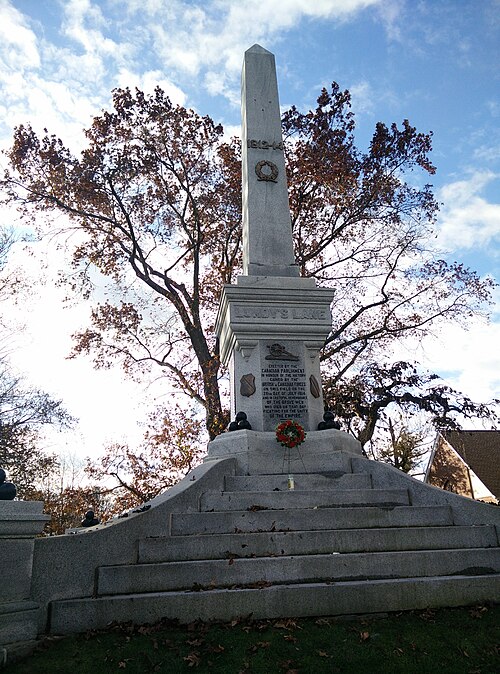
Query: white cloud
(470,358)
(192,38)
(148,81)
(362,97)
(487,152)
(18,43)
(81,23)
(63,83)
(390,12)
(467,219)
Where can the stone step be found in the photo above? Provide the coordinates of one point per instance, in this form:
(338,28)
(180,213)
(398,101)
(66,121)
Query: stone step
(291,499)
(207,574)
(278,601)
(217,546)
(185,524)
(303,481)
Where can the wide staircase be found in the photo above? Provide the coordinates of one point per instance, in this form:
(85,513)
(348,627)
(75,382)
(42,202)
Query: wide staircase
(334,545)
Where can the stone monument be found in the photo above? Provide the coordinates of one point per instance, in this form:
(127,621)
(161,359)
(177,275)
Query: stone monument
(272,323)
(20,522)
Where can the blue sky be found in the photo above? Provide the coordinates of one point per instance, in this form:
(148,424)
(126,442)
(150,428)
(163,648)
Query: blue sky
(435,62)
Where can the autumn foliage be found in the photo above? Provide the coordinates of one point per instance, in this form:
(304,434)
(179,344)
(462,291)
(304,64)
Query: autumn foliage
(155,200)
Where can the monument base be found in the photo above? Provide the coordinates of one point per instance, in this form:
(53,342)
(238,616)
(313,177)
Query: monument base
(271,332)
(259,453)
(20,522)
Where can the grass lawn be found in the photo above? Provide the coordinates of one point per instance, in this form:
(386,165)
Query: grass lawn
(446,640)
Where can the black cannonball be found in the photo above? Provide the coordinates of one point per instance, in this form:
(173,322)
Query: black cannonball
(90,519)
(8,490)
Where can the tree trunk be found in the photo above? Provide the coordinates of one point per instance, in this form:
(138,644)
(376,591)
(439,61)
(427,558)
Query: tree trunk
(216,418)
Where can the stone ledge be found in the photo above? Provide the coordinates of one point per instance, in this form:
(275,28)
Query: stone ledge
(18,621)
(259,453)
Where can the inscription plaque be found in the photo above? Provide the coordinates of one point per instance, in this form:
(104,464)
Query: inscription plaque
(279,313)
(284,390)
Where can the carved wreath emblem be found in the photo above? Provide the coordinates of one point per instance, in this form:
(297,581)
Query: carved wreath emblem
(266,170)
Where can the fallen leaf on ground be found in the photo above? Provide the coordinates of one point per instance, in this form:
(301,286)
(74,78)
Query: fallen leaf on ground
(193,659)
(216,649)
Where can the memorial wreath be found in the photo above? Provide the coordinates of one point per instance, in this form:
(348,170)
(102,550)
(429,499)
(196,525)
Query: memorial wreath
(290,433)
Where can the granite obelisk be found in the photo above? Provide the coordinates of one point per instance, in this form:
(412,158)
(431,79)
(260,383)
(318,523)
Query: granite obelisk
(267,232)
(272,323)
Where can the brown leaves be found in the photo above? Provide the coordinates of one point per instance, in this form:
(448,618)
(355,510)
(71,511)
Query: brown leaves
(478,611)
(287,624)
(193,659)
(259,645)
(156,196)
(288,667)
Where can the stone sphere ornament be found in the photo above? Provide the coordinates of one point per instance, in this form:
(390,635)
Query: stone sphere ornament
(8,490)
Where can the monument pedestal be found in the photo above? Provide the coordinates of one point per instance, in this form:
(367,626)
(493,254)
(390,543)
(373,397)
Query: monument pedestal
(271,330)
(20,522)
(259,453)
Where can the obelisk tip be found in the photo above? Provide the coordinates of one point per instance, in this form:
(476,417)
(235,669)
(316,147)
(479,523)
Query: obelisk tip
(257,49)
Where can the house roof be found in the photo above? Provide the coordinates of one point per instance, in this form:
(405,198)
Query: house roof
(481,452)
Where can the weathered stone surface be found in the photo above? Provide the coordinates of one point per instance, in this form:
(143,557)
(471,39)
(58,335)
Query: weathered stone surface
(210,574)
(270,308)
(16,559)
(292,500)
(257,453)
(73,558)
(302,546)
(252,319)
(343,598)
(324,541)
(465,510)
(309,519)
(331,481)
(18,621)
(20,521)
(267,231)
